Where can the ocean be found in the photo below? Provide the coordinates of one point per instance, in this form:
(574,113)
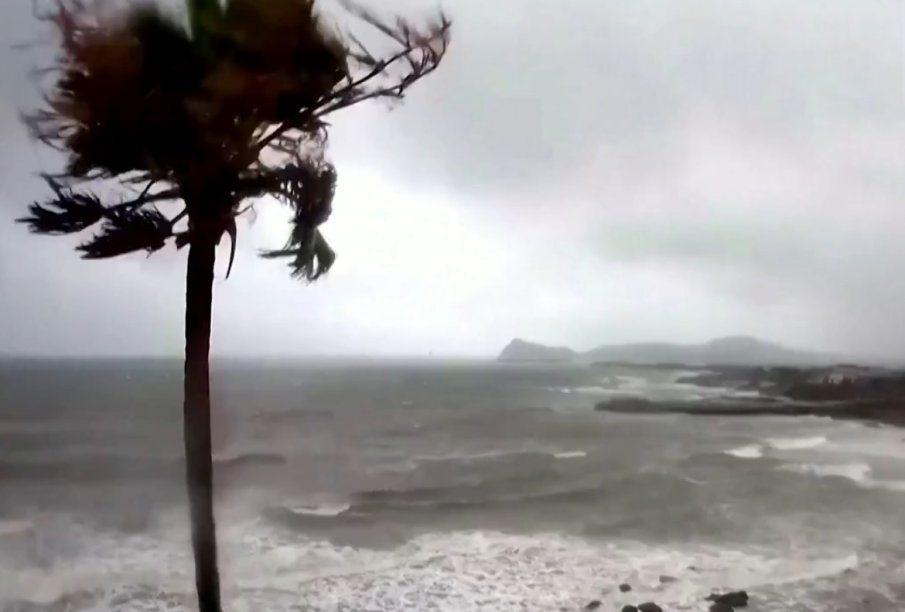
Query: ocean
(435,486)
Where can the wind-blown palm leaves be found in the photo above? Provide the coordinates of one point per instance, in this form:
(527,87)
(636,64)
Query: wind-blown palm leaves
(310,191)
(229,109)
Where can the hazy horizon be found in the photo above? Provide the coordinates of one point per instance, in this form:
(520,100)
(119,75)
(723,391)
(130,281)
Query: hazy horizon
(413,356)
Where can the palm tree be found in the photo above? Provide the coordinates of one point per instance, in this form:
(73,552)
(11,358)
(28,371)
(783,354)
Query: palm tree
(226,108)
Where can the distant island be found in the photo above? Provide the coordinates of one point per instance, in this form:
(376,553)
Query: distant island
(731,350)
(521,350)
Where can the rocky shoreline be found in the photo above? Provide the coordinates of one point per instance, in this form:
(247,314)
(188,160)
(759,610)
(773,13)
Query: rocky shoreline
(718,602)
(887,412)
(869,395)
(844,392)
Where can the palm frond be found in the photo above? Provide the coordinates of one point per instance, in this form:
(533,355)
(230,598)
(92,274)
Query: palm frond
(309,190)
(274,59)
(306,185)
(311,256)
(70,212)
(419,47)
(418,51)
(119,104)
(128,231)
(67,213)
(140,96)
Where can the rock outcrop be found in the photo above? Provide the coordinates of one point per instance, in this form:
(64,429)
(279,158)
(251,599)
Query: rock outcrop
(891,412)
(733,599)
(522,351)
(666,579)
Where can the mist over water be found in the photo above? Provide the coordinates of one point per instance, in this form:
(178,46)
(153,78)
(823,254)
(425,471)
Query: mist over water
(434,486)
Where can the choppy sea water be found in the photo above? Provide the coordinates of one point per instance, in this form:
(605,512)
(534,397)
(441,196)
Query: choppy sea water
(436,486)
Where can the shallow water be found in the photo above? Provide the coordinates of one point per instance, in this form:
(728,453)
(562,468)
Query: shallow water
(447,486)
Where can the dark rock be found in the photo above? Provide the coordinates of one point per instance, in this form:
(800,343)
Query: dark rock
(735,599)
(664,579)
(629,609)
(625,404)
(721,607)
(625,587)
(594,605)
(649,607)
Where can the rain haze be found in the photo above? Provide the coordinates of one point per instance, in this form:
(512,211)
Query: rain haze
(577,173)
(615,319)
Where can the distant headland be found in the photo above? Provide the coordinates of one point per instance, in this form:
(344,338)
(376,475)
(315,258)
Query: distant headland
(731,350)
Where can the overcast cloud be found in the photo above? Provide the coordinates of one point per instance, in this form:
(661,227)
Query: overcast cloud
(577,172)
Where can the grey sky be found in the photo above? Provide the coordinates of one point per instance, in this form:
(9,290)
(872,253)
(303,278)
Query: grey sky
(578,172)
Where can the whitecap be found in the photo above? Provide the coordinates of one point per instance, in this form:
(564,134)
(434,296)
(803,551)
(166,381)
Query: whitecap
(591,390)
(481,570)
(857,472)
(694,481)
(235,458)
(632,381)
(326,509)
(796,443)
(449,572)
(570,455)
(476,455)
(750,451)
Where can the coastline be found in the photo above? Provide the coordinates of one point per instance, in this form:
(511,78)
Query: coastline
(843,392)
(879,412)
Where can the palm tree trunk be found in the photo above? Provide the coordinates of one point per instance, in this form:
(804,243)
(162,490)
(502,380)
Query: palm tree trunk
(197,419)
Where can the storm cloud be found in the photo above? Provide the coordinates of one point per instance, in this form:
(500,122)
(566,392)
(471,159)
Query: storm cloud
(577,172)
